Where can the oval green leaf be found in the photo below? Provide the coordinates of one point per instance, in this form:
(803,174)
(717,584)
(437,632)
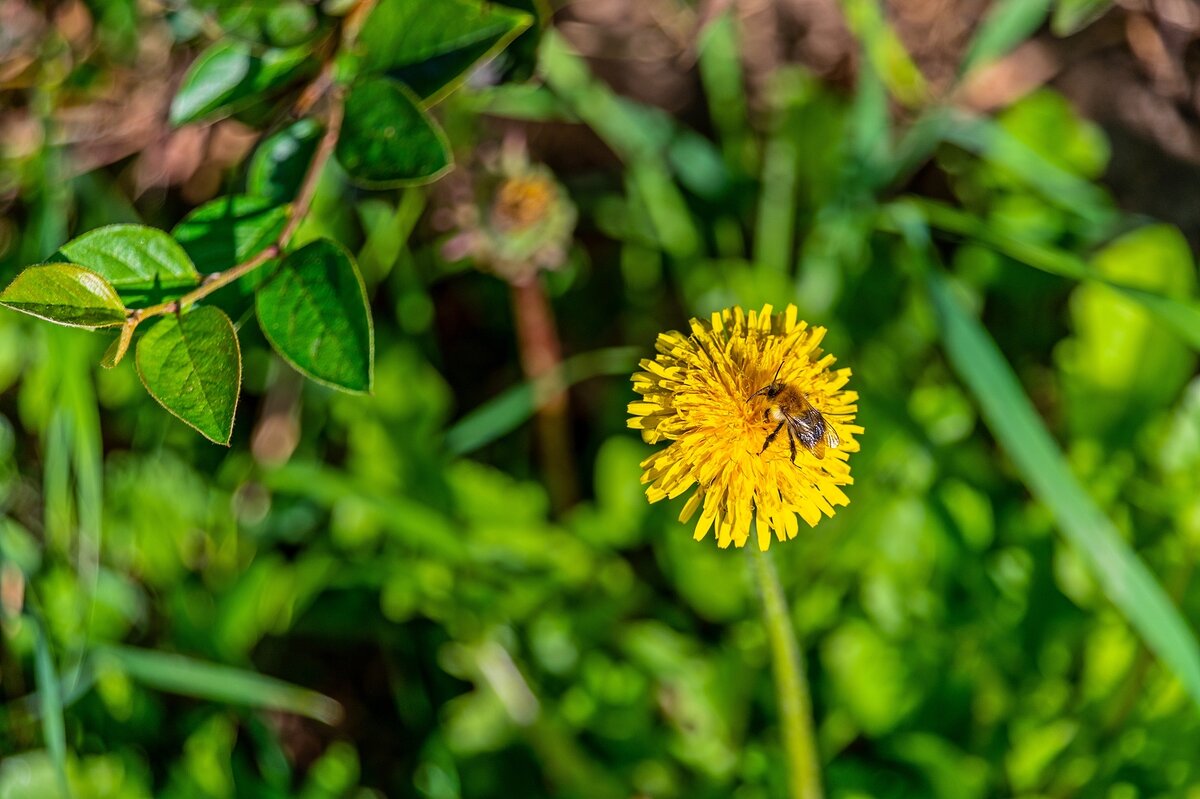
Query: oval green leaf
(133,257)
(190,363)
(228,76)
(280,162)
(290,23)
(314,312)
(226,231)
(65,294)
(211,80)
(387,140)
(431,46)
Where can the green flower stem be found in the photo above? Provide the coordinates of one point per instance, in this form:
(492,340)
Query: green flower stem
(791,685)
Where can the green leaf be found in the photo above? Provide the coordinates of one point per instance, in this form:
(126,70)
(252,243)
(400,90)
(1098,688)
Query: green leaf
(191,364)
(387,140)
(289,23)
(281,161)
(1010,415)
(432,46)
(226,231)
(228,76)
(1181,316)
(521,54)
(1122,364)
(218,683)
(519,101)
(314,312)
(133,257)
(65,294)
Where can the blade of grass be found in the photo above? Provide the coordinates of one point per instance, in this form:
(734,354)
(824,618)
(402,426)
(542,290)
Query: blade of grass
(218,683)
(1072,16)
(417,525)
(507,412)
(721,75)
(1007,24)
(51,706)
(869,128)
(775,226)
(77,399)
(518,101)
(916,145)
(1010,415)
(634,132)
(1182,316)
(667,210)
(640,136)
(885,52)
(991,142)
(72,686)
(59,506)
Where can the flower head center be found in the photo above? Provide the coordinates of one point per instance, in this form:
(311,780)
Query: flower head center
(521,202)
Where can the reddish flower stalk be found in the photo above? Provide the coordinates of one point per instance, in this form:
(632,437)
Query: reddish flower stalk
(541,355)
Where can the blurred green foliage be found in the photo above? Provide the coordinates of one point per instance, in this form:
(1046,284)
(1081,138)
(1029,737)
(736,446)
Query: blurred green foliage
(370,596)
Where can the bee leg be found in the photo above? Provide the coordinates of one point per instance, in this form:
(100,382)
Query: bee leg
(771,438)
(792,443)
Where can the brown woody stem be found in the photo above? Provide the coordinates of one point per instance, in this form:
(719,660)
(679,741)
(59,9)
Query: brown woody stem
(296,214)
(321,85)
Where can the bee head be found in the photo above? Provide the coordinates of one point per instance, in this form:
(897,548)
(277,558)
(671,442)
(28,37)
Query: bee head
(770,389)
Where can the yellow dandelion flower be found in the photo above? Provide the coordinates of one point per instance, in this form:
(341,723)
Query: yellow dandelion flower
(723,396)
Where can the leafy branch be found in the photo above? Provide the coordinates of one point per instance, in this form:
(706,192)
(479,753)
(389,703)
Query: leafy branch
(299,209)
(395,60)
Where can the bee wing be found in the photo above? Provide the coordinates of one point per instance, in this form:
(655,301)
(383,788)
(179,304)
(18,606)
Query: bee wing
(830,438)
(805,427)
(802,401)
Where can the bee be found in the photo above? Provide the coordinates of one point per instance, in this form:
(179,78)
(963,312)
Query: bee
(792,411)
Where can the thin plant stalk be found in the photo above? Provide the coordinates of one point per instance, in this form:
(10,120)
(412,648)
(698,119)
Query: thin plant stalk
(541,355)
(791,685)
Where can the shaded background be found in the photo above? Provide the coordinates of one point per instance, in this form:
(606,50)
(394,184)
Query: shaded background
(401,553)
